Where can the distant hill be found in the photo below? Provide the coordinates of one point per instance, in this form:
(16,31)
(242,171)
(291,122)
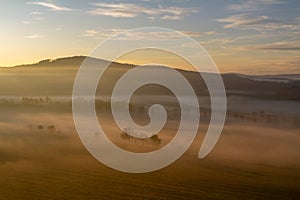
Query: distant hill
(56,77)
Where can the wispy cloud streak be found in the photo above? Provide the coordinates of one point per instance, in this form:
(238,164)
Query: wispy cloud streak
(127,10)
(247,21)
(51,6)
(253,5)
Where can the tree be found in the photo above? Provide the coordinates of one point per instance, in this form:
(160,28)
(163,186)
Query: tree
(40,127)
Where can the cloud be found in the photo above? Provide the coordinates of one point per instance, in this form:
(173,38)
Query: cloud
(279,46)
(26,22)
(196,34)
(236,41)
(115,10)
(51,6)
(33,36)
(171,17)
(291,45)
(246,21)
(155,35)
(253,5)
(221,41)
(210,33)
(191,33)
(90,33)
(127,10)
(190,45)
(36,13)
(135,35)
(101,33)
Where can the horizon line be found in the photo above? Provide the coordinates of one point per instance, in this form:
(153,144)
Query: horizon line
(84,56)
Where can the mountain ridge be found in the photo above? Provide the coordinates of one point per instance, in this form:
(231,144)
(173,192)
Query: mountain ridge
(56,77)
(81,58)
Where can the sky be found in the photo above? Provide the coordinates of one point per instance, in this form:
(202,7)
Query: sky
(241,36)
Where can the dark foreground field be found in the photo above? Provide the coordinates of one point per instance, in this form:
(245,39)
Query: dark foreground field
(41,157)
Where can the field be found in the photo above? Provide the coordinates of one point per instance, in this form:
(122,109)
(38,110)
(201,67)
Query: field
(42,157)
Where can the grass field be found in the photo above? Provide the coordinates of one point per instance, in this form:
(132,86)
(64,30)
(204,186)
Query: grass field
(252,160)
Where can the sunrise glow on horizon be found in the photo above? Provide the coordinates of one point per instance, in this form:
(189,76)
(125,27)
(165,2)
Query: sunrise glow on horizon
(249,37)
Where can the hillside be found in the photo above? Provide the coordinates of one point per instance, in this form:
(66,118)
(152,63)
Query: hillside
(56,77)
